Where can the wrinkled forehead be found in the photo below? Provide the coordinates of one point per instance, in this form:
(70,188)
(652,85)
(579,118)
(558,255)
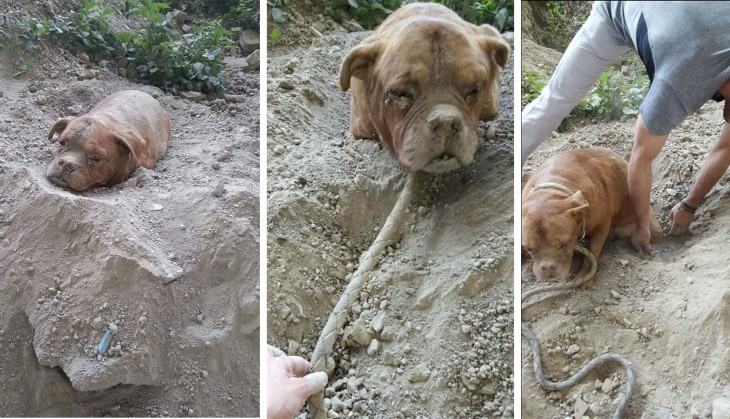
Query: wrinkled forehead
(78,131)
(546,224)
(432,51)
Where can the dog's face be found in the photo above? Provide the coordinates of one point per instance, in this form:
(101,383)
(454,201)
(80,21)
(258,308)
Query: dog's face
(91,153)
(428,88)
(551,225)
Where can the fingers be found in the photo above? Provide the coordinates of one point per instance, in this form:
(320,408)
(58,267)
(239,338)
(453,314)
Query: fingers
(275,352)
(310,384)
(298,366)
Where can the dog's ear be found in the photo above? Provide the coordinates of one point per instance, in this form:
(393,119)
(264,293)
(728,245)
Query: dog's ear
(359,62)
(493,44)
(579,204)
(59,126)
(131,141)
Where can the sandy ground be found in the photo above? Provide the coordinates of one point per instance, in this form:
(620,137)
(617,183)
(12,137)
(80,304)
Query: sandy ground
(439,304)
(174,267)
(668,312)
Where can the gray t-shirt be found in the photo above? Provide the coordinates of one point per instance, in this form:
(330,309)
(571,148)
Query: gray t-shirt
(685,47)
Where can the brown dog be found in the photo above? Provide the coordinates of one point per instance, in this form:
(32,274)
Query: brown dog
(126,130)
(421,83)
(576,193)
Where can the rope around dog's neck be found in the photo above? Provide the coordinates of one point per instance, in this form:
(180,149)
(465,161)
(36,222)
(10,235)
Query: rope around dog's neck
(337,318)
(564,189)
(560,289)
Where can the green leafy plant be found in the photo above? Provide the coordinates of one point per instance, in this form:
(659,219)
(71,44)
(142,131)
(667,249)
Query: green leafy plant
(532,85)
(21,34)
(275,36)
(277,10)
(245,14)
(498,13)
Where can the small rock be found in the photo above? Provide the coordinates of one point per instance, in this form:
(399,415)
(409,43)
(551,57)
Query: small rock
(615,295)
(419,374)
(572,350)
(721,408)
(96,323)
(624,262)
(279,150)
(219,190)
(374,347)
(194,96)
(113,328)
(608,385)
(378,322)
(254,60)
(391,359)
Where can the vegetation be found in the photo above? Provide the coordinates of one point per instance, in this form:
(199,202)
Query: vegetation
(157,52)
(619,90)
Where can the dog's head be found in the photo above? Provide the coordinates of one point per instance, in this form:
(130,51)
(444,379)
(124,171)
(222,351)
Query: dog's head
(428,86)
(551,224)
(92,153)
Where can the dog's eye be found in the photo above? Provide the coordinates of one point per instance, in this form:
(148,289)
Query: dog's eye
(399,98)
(95,160)
(474,93)
(62,143)
(563,247)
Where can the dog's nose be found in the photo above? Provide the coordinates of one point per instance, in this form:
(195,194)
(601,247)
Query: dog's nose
(68,165)
(445,121)
(548,268)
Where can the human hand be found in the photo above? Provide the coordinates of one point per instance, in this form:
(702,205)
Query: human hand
(641,239)
(290,383)
(681,219)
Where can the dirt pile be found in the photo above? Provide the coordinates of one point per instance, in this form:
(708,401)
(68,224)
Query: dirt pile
(667,312)
(168,261)
(431,332)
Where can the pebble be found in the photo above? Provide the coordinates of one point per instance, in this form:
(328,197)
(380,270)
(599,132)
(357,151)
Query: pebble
(113,328)
(96,323)
(391,359)
(279,150)
(721,408)
(378,322)
(572,350)
(200,317)
(615,295)
(608,385)
(374,347)
(419,374)
(624,262)
(219,190)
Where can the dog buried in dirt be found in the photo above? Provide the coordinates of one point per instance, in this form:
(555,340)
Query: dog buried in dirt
(422,82)
(127,130)
(574,194)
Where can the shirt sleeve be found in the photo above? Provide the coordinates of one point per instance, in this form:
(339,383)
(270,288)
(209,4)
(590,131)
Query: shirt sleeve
(662,110)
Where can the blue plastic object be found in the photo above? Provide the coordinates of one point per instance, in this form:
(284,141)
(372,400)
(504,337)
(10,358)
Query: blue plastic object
(104,344)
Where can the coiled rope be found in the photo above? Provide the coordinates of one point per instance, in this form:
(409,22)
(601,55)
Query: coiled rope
(337,318)
(555,290)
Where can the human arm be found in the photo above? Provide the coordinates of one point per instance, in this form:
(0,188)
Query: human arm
(715,166)
(646,147)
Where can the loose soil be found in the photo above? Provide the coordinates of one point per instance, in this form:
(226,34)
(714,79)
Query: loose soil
(173,268)
(437,312)
(669,313)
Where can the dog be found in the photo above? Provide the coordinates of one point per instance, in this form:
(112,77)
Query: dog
(422,82)
(577,193)
(127,130)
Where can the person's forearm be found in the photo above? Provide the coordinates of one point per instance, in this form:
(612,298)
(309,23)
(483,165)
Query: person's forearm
(715,166)
(646,147)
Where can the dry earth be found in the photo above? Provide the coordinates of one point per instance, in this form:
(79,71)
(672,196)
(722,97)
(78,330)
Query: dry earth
(437,313)
(668,312)
(169,266)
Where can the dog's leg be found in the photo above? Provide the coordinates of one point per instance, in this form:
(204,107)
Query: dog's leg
(361,125)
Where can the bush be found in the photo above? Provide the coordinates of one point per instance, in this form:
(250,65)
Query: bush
(613,96)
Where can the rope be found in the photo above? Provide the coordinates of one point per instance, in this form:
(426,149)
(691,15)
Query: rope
(554,290)
(337,318)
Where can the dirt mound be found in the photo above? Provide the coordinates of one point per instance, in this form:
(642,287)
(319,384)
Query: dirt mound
(167,265)
(668,313)
(437,312)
